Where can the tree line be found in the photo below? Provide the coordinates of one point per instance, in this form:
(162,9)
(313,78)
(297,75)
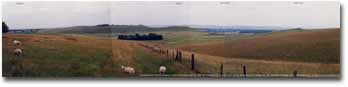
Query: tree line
(150,36)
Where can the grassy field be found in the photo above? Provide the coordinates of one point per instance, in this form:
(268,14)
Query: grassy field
(81,56)
(58,56)
(320,46)
(183,38)
(312,52)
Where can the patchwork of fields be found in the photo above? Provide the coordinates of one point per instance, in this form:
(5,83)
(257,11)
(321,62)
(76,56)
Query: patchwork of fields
(308,52)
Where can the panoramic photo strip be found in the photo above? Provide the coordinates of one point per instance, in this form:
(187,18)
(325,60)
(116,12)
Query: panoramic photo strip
(171,39)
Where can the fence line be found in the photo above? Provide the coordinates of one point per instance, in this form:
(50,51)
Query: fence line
(177,55)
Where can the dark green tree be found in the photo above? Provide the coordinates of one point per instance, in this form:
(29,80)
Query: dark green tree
(5,28)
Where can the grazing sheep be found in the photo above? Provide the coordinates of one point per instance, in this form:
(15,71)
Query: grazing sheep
(129,70)
(16,42)
(18,52)
(157,49)
(162,70)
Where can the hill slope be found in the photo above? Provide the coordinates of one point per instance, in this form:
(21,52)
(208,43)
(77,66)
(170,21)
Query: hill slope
(79,55)
(112,29)
(87,56)
(322,46)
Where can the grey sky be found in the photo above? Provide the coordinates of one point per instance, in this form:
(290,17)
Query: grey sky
(64,14)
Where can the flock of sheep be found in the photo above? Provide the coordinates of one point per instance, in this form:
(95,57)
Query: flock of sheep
(18,51)
(130,70)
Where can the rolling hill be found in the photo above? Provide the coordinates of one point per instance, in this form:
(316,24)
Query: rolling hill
(317,45)
(72,55)
(310,52)
(108,29)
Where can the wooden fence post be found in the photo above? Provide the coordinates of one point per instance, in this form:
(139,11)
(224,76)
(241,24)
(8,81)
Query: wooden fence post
(180,56)
(222,69)
(176,55)
(295,73)
(193,62)
(244,70)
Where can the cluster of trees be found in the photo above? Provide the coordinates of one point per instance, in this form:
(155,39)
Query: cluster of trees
(150,36)
(5,28)
(103,25)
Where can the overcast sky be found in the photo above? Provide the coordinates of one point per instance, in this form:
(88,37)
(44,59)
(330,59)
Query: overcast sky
(64,14)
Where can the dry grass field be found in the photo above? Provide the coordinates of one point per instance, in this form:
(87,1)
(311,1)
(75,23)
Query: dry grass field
(311,53)
(319,46)
(81,56)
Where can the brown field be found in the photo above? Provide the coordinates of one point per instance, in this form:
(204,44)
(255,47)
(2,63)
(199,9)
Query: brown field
(319,46)
(233,66)
(78,55)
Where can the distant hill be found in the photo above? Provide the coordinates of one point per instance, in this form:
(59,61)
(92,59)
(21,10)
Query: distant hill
(239,27)
(106,28)
(321,45)
(237,30)
(113,29)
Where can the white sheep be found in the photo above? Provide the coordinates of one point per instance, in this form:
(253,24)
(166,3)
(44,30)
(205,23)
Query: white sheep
(18,52)
(162,70)
(16,42)
(157,48)
(129,70)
